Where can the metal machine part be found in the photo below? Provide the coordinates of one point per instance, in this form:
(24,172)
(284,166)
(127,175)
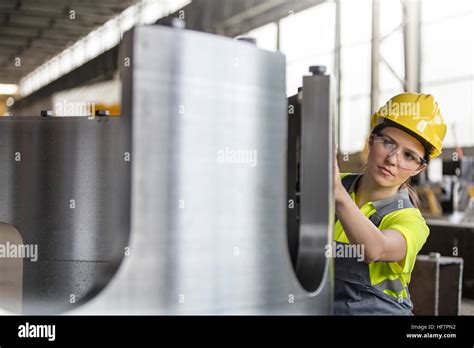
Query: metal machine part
(203,196)
(310,202)
(208,210)
(65,187)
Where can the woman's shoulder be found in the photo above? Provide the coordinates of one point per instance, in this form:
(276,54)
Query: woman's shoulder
(410,217)
(411,212)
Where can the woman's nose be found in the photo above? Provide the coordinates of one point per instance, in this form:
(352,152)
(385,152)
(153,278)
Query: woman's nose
(392,158)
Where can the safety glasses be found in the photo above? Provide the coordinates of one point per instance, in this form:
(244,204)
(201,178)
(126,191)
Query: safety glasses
(408,160)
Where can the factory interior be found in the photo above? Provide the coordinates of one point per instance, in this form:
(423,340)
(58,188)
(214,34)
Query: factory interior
(165,157)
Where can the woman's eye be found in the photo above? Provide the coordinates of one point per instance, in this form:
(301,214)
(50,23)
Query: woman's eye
(409,156)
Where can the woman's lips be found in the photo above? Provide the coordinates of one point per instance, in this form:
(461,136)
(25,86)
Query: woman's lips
(385,171)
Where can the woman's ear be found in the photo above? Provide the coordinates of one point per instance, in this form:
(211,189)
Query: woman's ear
(371,140)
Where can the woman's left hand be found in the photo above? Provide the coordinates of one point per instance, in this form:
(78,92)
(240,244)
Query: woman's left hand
(339,189)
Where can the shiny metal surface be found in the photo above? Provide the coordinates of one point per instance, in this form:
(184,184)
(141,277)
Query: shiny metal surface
(310,210)
(203,198)
(64,185)
(317,207)
(208,234)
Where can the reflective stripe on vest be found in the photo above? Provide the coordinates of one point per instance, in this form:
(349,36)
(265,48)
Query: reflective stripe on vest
(394,285)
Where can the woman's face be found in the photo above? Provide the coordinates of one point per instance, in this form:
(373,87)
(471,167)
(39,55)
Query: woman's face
(389,168)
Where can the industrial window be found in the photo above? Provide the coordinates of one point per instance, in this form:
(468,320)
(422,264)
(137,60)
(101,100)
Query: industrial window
(447,66)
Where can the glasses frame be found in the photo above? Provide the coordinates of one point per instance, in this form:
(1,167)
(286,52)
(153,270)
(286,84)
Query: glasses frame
(397,151)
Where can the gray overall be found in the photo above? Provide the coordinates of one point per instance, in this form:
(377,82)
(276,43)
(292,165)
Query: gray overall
(354,294)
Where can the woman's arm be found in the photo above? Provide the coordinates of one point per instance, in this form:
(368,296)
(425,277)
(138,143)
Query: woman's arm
(386,245)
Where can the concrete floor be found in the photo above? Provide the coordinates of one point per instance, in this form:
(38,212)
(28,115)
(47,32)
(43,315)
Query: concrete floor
(467,306)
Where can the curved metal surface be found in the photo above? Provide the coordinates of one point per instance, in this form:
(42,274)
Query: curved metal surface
(66,188)
(208,231)
(317,207)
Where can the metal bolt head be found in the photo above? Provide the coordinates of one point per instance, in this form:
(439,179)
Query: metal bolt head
(46,113)
(250,40)
(317,69)
(102,113)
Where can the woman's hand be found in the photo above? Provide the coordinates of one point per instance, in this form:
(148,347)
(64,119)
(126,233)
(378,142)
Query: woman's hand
(339,190)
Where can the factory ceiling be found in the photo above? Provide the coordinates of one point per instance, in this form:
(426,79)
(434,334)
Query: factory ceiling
(36,30)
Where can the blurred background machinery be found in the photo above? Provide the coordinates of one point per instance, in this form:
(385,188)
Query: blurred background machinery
(436,285)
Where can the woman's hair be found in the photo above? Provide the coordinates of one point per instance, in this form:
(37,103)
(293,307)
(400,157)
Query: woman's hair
(414,198)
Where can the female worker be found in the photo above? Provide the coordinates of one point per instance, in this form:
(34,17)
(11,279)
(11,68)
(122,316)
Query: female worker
(377,210)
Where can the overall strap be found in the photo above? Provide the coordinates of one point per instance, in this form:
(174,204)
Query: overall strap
(350,180)
(400,200)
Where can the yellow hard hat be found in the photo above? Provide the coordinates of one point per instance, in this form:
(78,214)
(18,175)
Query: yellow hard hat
(420,114)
